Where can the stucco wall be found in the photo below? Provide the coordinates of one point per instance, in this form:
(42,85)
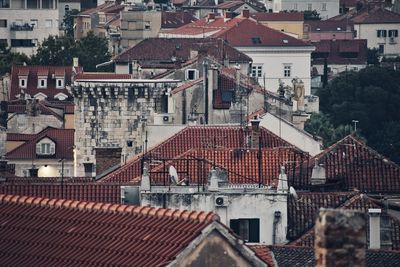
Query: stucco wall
(22,123)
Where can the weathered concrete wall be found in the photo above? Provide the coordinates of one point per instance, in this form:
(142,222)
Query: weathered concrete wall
(23,123)
(239,206)
(214,251)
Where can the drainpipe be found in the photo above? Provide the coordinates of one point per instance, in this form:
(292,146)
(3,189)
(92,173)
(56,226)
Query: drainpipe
(374,228)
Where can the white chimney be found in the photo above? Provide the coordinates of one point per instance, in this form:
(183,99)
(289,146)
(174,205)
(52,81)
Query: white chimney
(145,181)
(213,181)
(318,175)
(75,63)
(283,181)
(374,228)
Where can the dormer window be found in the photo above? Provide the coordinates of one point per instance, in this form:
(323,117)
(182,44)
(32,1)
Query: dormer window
(42,83)
(22,82)
(45,147)
(192,74)
(60,83)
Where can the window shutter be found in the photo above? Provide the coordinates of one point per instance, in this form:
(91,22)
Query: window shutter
(384,33)
(52,148)
(38,148)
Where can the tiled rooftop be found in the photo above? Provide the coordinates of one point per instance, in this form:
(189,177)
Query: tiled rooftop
(340,52)
(176,19)
(54,232)
(194,137)
(282,16)
(63,138)
(32,84)
(375,15)
(101,76)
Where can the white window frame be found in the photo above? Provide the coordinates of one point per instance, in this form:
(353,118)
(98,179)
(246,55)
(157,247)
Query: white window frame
(309,7)
(23,82)
(196,74)
(42,83)
(257,70)
(45,147)
(287,70)
(323,8)
(60,80)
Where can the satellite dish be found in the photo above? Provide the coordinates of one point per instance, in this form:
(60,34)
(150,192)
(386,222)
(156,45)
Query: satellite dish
(173,175)
(292,191)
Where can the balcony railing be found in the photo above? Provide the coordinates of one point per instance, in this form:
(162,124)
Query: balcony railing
(24,27)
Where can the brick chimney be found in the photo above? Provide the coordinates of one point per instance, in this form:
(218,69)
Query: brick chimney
(107,158)
(211,17)
(246,13)
(255,133)
(228,16)
(340,238)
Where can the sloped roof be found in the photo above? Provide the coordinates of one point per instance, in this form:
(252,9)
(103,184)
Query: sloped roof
(338,52)
(281,16)
(42,106)
(101,76)
(376,15)
(164,49)
(249,33)
(176,19)
(359,202)
(63,138)
(55,232)
(355,165)
(194,137)
(329,25)
(32,83)
(294,256)
(80,189)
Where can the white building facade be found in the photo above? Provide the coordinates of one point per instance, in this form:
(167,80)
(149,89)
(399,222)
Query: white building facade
(25,23)
(326,8)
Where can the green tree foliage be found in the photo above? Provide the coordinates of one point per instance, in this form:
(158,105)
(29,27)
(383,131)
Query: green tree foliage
(311,15)
(60,51)
(68,22)
(372,97)
(7,58)
(320,125)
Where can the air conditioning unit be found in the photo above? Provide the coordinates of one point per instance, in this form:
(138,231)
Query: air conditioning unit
(221,201)
(168,119)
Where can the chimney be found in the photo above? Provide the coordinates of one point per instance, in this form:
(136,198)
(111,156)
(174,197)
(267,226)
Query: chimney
(211,17)
(107,158)
(340,238)
(246,13)
(318,175)
(75,63)
(213,187)
(283,181)
(374,228)
(228,16)
(255,133)
(145,181)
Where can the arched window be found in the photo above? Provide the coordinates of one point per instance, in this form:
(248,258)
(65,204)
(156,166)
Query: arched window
(66,8)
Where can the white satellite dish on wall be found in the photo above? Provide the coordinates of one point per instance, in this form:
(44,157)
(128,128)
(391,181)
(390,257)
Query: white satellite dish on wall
(173,175)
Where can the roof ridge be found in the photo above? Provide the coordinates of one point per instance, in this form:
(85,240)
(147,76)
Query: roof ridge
(200,216)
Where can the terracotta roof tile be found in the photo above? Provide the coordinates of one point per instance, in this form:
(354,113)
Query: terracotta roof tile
(340,52)
(91,235)
(64,139)
(32,83)
(329,25)
(376,15)
(101,76)
(264,253)
(176,19)
(186,85)
(195,137)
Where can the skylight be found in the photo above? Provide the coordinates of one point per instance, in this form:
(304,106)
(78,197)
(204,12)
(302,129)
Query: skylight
(285,41)
(256,40)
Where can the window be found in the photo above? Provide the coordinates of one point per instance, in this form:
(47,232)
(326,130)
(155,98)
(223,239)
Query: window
(256,71)
(88,167)
(3,23)
(256,40)
(22,82)
(48,23)
(393,33)
(295,6)
(45,147)
(32,4)
(34,23)
(287,71)
(323,7)
(309,7)
(381,49)
(66,8)
(355,33)
(60,84)
(147,25)
(42,83)
(21,43)
(248,229)
(381,33)
(4,3)
(192,74)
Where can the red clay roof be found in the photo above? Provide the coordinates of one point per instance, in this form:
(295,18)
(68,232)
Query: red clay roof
(32,72)
(81,189)
(42,106)
(353,164)
(329,25)
(230,4)
(55,232)
(249,33)
(341,52)
(376,15)
(264,253)
(155,50)
(19,137)
(186,85)
(176,19)
(282,16)
(194,137)
(63,138)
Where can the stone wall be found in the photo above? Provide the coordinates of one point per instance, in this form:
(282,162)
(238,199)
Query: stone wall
(23,123)
(110,116)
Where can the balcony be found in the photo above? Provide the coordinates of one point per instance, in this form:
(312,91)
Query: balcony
(25,27)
